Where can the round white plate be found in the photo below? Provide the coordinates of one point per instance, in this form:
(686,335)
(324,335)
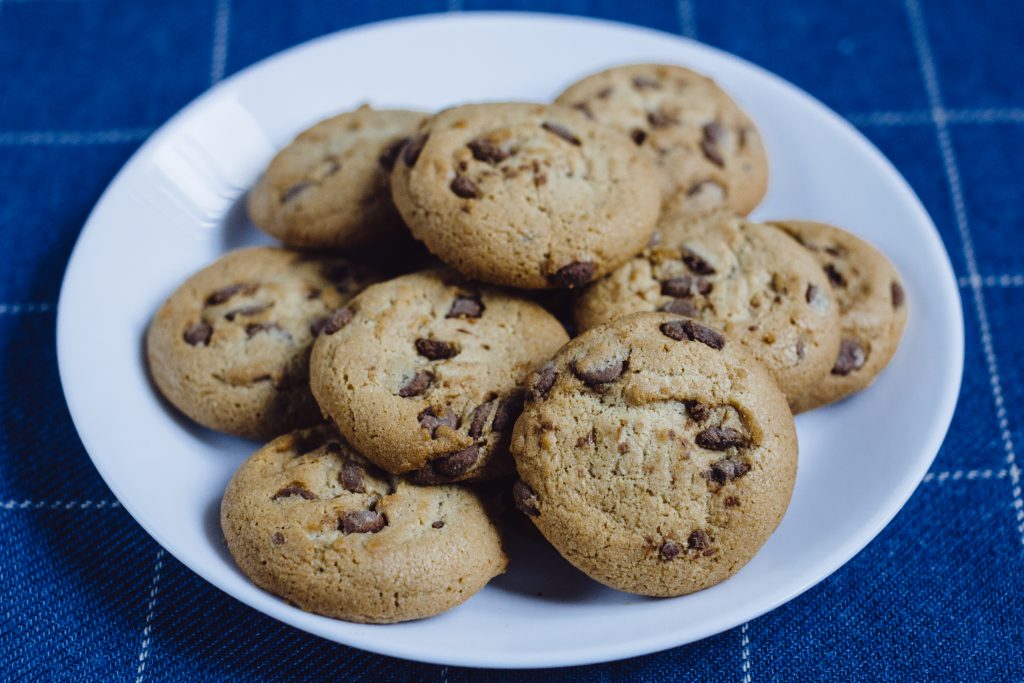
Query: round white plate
(175,208)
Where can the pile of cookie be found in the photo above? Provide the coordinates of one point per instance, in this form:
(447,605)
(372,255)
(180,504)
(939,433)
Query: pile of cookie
(597,335)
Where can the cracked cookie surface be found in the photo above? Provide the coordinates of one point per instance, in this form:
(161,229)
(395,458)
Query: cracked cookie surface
(526,195)
(424,375)
(747,279)
(708,150)
(329,188)
(655,454)
(230,348)
(872,308)
(310,520)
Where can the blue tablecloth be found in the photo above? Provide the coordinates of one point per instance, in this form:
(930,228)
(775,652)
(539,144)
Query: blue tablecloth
(936,84)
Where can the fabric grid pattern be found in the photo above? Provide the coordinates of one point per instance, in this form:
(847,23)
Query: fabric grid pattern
(88,595)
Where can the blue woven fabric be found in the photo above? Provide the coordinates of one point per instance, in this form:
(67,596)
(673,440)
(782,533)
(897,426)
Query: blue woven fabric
(937,596)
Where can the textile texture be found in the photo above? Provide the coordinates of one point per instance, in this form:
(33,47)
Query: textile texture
(939,595)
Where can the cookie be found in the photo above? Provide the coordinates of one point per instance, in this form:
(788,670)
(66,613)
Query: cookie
(329,187)
(424,375)
(709,152)
(872,308)
(748,279)
(308,519)
(656,454)
(528,195)
(230,348)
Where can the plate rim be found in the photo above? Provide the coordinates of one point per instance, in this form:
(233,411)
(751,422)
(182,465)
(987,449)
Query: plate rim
(578,656)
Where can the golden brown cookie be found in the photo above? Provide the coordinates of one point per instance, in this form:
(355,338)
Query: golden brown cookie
(230,348)
(424,376)
(308,519)
(872,308)
(527,195)
(655,454)
(329,187)
(708,150)
(745,278)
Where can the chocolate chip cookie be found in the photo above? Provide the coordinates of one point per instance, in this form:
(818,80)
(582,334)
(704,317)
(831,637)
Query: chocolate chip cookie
(745,278)
(310,520)
(422,375)
(709,152)
(329,187)
(527,195)
(872,308)
(230,348)
(656,454)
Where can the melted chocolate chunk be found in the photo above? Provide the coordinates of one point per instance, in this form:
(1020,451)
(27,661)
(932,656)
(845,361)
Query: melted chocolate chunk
(508,411)
(430,420)
(352,478)
(435,349)
(561,132)
(721,438)
(669,550)
(726,470)
(411,153)
(696,263)
(638,135)
(390,154)
(698,540)
(485,150)
(573,275)
(897,294)
(465,188)
(225,293)
(294,489)
(851,357)
(691,331)
(478,421)
(198,334)
(542,382)
(603,375)
(295,190)
(466,306)
(834,276)
(457,463)
(417,384)
(362,522)
(525,499)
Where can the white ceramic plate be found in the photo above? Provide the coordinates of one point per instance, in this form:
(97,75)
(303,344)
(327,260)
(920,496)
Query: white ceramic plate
(175,208)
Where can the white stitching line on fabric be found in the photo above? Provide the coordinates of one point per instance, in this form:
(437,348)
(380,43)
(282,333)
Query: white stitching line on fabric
(219,52)
(745,642)
(154,589)
(58,504)
(969,475)
(1005,280)
(931,83)
(16,309)
(687,18)
(111,136)
(923,118)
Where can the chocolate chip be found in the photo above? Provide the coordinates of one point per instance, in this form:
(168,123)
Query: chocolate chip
(638,136)
(437,525)
(411,153)
(430,419)
(313,293)
(478,421)
(198,334)
(659,119)
(897,294)
(542,381)
(812,293)
(725,470)
(332,323)
(697,411)
(362,522)
(278,538)
(466,307)
(721,438)
(603,375)
(731,502)
(457,463)
(851,357)
(605,93)
(390,154)
(573,275)
(427,477)
(645,83)
(696,263)
(352,478)
(485,150)
(435,349)
(669,549)
(584,108)
(417,384)
(295,190)
(691,331)
(525,499)
(698,540)
(698,187)
(294,489)
(686,286)
(465,188)
(245,311)
(834,276)
(681,307)
(709,144)
(252,329)
(508,411)
(561,132)
(225,293)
